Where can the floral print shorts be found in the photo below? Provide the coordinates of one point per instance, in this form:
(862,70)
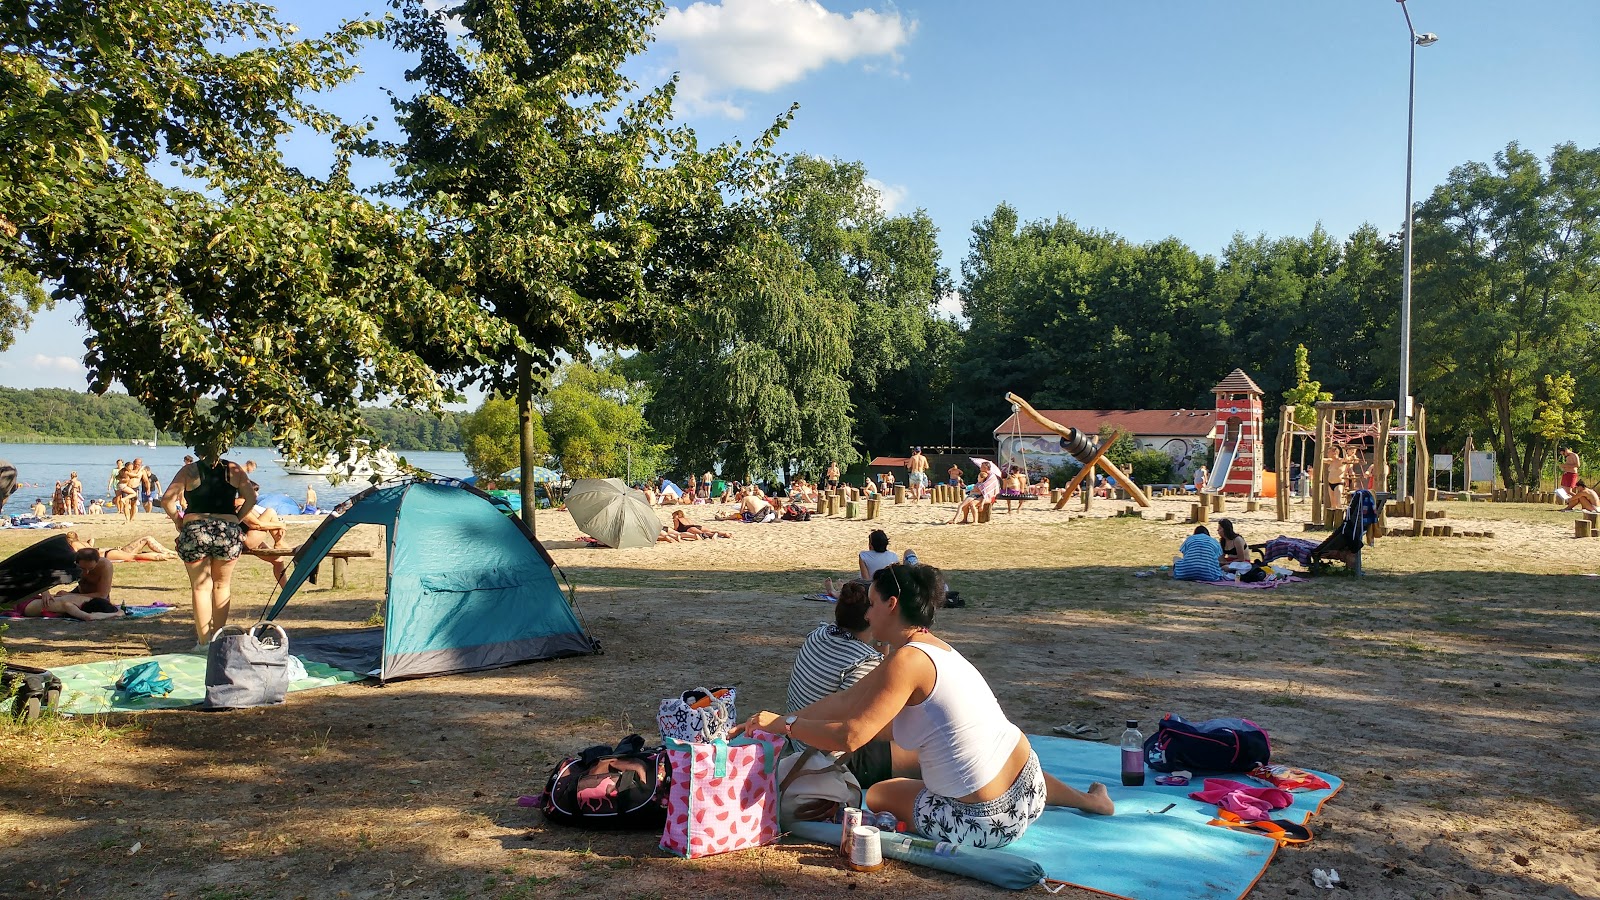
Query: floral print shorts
(214,538)
(993,823)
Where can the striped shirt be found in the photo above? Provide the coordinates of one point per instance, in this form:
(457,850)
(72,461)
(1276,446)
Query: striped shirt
(1201,559)
(830,660)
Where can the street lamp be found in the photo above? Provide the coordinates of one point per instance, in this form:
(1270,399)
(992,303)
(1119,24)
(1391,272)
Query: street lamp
(1425,39)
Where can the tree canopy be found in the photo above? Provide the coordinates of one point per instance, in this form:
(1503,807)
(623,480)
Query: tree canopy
(249,292)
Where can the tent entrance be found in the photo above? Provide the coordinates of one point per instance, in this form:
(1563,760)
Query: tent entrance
(359,651)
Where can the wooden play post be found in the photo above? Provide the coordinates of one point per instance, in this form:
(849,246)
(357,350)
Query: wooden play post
(1419,494)
(1319,471)
(1106,464)
(899,495)
(1285,450)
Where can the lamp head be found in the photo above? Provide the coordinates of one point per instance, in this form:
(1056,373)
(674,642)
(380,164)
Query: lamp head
(1426,38)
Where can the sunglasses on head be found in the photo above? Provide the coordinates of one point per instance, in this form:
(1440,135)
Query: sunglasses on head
(898,591)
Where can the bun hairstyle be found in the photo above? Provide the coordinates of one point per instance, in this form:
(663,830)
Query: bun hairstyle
(920,589)
(850,613)
(878,540)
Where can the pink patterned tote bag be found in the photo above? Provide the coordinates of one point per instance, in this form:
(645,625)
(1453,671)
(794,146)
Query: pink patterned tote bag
(724,795)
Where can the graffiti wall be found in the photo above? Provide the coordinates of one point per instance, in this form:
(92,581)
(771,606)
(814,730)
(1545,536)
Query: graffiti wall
(1041,454)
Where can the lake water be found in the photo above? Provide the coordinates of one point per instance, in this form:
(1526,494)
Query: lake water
(40,466)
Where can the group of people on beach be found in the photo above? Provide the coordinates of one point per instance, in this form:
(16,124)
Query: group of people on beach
(212,504)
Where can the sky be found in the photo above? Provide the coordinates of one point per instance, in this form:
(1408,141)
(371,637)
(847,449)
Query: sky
(1194,119)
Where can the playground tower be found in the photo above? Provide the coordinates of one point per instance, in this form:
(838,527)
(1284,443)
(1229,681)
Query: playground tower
(1236,437)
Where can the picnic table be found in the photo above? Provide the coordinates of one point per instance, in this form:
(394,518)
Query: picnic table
(338,556)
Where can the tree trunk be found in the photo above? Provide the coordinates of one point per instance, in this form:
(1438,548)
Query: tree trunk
(530,509)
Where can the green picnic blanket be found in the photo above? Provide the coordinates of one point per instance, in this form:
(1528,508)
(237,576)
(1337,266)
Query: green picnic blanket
(87,688)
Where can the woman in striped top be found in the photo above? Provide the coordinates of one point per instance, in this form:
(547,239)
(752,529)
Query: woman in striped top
(835,656)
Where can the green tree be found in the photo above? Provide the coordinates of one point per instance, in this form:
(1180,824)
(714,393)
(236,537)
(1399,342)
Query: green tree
(491,438)
(756,374)
(596,424)
(1507,294)
(886,268)
(561,198)
(1306,393)
(256,293)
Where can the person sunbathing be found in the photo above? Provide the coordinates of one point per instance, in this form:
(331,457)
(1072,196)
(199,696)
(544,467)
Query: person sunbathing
(90,599)
(77,606)
(682,526)
(262,519)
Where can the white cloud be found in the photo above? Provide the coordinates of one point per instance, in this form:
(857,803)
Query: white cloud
(763,45)
(949,307)
(890,196)
(69,365)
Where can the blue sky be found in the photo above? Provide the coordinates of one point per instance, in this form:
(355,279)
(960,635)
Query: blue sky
(1187,118)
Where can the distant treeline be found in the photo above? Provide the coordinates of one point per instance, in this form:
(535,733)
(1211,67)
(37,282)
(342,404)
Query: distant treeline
(55,415)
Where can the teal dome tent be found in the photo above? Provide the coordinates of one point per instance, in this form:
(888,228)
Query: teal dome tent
(468,586)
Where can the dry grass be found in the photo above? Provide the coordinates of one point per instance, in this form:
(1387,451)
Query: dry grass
(1455,689)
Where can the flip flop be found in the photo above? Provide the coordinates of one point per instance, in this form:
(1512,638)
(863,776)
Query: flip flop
(1079,730)
(1281,830)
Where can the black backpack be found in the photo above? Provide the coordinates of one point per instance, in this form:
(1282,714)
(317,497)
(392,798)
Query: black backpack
(614,788)
(1215,745)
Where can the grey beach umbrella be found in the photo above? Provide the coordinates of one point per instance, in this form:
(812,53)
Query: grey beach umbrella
(612,513)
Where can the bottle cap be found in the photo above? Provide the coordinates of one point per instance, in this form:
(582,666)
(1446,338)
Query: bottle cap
(1133,723)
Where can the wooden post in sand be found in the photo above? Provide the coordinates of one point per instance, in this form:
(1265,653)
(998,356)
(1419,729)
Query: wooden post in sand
(833,504)
(872,507)
(899,495)
(1285,449)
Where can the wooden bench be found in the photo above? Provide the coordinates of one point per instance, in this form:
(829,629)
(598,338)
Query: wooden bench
(338,557)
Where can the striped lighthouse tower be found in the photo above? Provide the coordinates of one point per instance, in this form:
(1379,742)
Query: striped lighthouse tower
(1236,436)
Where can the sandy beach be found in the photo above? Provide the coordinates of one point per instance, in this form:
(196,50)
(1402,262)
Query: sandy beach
(1455,688)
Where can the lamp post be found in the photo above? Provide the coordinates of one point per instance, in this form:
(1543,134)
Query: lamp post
(1403,410)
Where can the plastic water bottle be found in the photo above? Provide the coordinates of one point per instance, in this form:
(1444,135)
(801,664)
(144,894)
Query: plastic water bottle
(1132,755)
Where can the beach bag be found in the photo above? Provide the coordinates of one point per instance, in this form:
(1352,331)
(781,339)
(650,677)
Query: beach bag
(814,786)
(1215,745)
(698,715)
(247,667)
(614,788)
(724,795)
(144,680)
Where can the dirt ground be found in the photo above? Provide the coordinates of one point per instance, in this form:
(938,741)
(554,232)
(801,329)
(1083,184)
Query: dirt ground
(1455,688)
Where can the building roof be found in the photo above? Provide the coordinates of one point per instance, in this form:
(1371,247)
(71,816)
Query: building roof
(1237,382)
(1176,422)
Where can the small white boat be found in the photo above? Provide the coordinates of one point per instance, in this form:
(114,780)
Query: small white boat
(358,462)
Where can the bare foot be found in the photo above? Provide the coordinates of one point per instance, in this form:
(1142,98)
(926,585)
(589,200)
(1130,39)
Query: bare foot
(1099,801)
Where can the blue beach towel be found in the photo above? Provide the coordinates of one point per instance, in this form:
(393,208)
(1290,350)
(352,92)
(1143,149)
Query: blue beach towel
(1141,854)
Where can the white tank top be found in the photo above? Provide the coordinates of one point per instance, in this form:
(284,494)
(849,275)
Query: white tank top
(961,736)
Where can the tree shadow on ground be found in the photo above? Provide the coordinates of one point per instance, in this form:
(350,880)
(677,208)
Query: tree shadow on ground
(1457,706)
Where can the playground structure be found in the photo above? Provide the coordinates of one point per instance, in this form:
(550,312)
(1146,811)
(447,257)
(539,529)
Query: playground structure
(1085,449)
(1352,425)
(1236,463)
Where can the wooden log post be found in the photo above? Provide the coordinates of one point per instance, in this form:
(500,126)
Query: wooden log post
(1419,493)
(850,509)
(1251,505)
(1197,513)
(899,495)
(1285,449)
(872,507)
(833,504)
(983,512)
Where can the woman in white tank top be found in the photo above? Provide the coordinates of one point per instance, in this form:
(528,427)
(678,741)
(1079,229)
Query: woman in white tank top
(967,773)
